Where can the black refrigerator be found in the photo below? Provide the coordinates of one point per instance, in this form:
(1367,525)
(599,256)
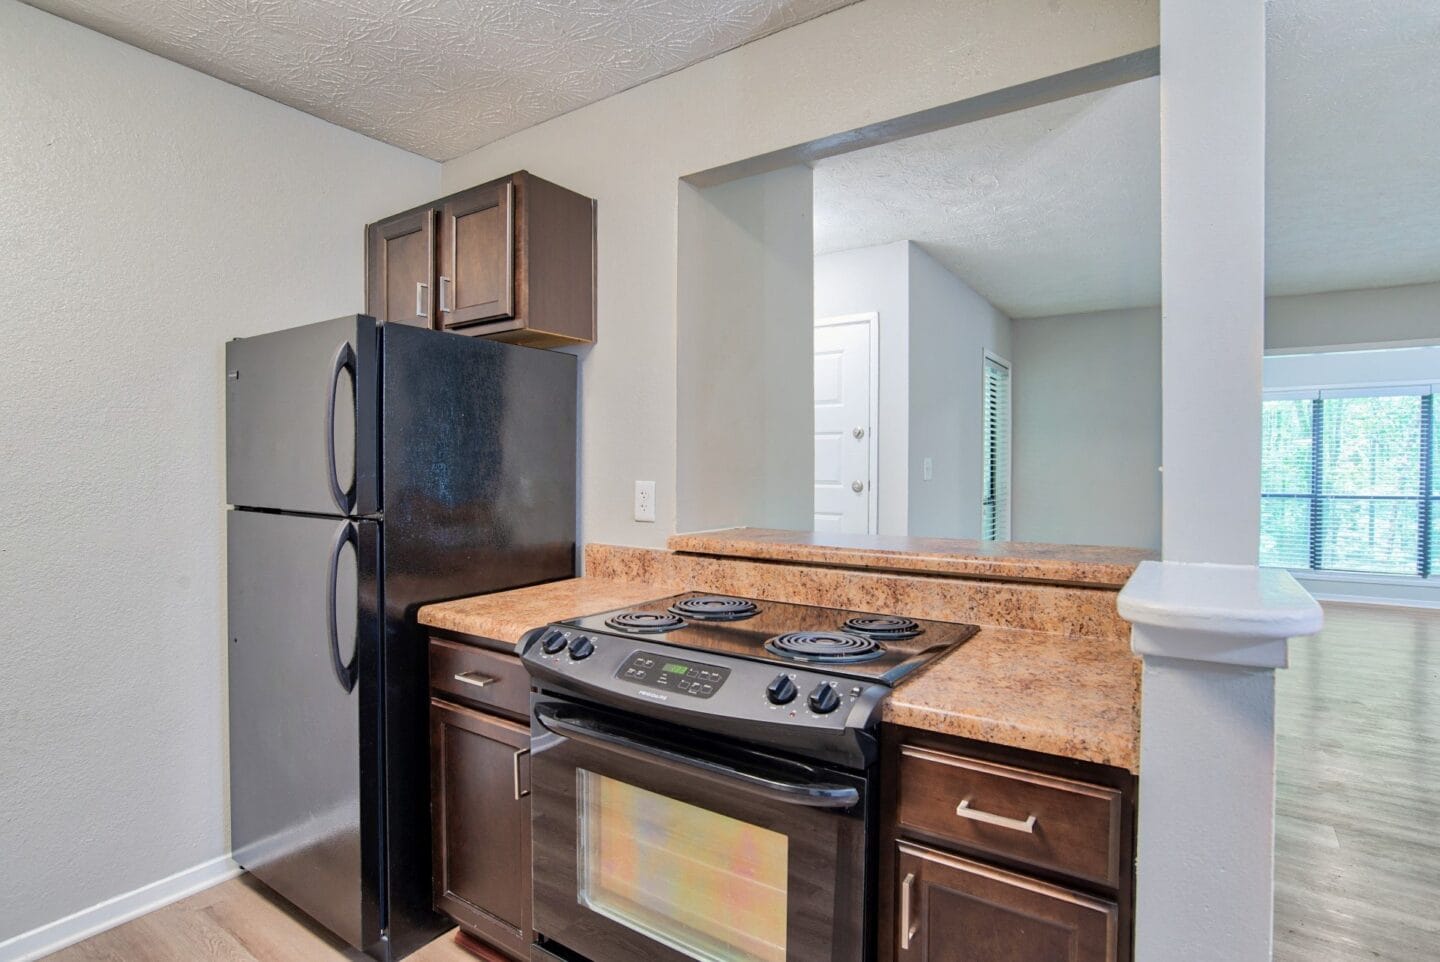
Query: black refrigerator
(371,468)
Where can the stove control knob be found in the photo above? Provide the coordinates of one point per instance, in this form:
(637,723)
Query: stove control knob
(781,691)
(582,647)
(824,699)
(555,641)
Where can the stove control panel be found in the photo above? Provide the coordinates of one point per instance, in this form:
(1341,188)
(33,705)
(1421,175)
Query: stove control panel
(794,708)
(672,674)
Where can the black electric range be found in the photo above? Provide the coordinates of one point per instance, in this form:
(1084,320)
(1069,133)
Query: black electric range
(704,778)
(790,676)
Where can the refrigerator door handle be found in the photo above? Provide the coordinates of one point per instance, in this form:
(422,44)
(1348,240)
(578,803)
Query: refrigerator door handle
(344,361)
(344,673)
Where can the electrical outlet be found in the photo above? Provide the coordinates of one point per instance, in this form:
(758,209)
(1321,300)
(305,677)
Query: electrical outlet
(644,500)
(929,469)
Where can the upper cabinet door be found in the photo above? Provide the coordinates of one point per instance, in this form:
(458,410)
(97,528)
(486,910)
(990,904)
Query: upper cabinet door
(477,255)
(400,268)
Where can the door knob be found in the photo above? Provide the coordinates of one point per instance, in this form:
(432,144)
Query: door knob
(859,433)
(857,486)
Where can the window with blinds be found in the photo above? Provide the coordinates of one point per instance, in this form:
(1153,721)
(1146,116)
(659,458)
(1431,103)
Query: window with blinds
(1347,480)
(995,502)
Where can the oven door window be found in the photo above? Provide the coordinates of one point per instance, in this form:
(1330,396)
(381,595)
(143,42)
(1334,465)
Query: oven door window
(707,885)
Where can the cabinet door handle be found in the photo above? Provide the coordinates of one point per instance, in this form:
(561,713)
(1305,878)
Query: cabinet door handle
(515,773)
(1026,825)
(445,306)
(420,288)
(908,927)
(476,679)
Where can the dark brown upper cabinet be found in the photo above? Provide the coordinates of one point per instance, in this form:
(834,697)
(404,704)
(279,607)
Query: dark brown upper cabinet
(400,268)
(513,259)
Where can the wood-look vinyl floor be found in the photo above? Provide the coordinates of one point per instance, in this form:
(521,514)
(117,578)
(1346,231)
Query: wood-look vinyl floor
(1357,860)
(1357,865)
(236,921)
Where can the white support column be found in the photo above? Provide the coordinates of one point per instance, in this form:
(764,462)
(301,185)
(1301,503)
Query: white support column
(1211,626)
(1212,229)
(1212,637)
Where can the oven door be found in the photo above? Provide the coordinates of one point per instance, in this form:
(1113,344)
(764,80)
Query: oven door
(653,845)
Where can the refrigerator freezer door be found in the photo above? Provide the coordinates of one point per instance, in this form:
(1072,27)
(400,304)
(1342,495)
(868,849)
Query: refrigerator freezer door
(301,419)
(479,453)
(303,649)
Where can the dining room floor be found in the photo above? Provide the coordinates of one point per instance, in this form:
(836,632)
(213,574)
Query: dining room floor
(1357,861)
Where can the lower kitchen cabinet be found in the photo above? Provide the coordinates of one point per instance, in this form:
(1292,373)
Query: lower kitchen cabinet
(990,854)
(480,816)
(957,910)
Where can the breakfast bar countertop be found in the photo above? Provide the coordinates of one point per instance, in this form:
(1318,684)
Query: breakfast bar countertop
(1073,697)
(1090,565)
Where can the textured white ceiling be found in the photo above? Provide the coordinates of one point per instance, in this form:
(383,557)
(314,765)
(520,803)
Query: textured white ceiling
(437,77)
(1353,145)
(1050,210)
(1055,210)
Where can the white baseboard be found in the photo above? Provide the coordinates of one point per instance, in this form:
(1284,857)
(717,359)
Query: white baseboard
(54,936)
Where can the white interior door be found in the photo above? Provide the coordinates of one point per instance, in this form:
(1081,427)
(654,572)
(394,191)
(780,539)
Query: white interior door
(845,354)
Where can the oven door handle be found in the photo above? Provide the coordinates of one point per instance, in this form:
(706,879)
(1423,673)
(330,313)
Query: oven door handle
(810,795)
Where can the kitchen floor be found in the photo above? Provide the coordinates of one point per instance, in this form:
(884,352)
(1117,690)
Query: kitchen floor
(236,921)
(1357,862)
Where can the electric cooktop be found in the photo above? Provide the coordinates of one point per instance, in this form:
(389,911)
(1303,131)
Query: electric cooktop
(847,644)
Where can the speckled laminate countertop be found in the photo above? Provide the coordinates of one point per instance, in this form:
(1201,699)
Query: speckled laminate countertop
(1090,565)
(1067,696)
(1073,697)
(506,615)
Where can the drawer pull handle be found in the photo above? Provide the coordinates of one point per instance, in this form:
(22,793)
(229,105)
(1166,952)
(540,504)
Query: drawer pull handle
(515,772)
(1026,825)
(907,927)
(476,679)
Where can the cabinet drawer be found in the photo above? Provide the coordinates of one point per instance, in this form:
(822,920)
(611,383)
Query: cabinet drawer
(1052,823)
(479,677)
(952,908)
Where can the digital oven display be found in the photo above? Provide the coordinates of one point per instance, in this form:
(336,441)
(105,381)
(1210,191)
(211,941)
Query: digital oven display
(685,677)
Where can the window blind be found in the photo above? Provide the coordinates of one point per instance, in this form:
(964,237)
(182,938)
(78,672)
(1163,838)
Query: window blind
(995,504)
(1347,480)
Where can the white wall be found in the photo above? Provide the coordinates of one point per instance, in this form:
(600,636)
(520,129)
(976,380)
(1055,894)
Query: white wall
(1100,372)
(858,65)
(951,328)
(1086,455)
(150,213)
(745,403)
(858,282)
(1353,319)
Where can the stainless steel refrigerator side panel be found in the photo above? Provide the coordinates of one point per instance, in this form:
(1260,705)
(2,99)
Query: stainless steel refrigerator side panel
(297,736)
(479,453)
(287,395)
